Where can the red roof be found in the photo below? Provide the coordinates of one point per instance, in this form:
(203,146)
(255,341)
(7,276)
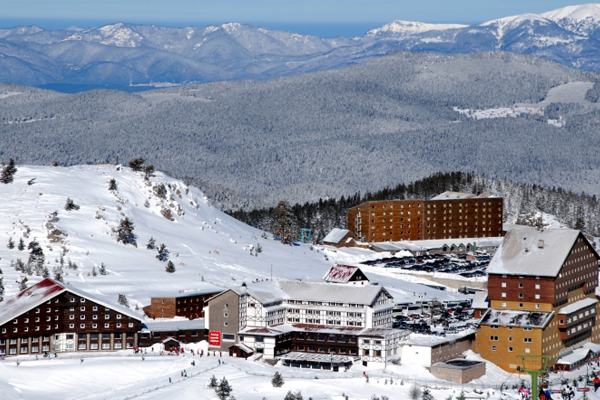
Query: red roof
(29,298)
(340,273)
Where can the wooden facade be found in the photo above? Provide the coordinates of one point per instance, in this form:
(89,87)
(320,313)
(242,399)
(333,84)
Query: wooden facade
(67,321)
(190,306)
(396,220)
(183,336)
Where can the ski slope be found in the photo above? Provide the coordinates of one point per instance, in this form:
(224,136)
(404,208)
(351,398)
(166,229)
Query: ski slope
(206,245)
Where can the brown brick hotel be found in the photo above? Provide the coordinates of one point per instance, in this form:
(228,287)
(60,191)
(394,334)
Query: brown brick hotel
(448,215)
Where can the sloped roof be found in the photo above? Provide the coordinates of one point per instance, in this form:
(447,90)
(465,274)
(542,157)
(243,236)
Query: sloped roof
(578,305)
(519,253)
(341,273)
(274,291)
(458,195)
(331,292)
(174,325)
(480,300)
(336,235)
(46,290)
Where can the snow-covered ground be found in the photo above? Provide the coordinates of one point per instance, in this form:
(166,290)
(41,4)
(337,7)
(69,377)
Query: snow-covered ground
(125,375)
(204,243)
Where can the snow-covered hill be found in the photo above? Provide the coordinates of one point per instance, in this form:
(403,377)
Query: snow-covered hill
(205,244)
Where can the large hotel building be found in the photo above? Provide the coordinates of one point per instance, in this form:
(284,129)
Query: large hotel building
(449,215)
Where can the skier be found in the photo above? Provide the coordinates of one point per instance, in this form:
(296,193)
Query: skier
(219,361)
(169,379)
(81,360)
(596,383)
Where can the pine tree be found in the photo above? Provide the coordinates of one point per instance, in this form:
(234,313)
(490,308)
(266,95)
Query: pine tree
(137,164)
(103,269)
(8,172)
(213,383)
(1,289)
(70,205)
(11,243)
(112,185)
(149,170)
(163,252)
(45,272)
(58,273)
(224,389)
(23,284)
(170,267)
(151,244)
(36,258)
(94,273)
(19,265)
(21,245)
(283,219)
(293,396)
(123,300)
(125,232)
(277,380)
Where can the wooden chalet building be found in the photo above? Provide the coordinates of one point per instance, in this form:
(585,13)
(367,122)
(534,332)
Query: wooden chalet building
(188,304)
(184,331)
(448,215)
(542,293)
(53,317)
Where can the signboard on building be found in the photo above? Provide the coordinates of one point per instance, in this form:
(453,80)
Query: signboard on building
(214,339)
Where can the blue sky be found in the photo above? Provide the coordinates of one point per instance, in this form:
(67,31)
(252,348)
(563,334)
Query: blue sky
(321,17)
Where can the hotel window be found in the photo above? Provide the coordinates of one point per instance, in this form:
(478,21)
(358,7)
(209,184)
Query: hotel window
(510,349)
(493,348)
(503,284)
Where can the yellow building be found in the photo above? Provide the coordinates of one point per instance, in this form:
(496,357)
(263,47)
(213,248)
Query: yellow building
(542,289)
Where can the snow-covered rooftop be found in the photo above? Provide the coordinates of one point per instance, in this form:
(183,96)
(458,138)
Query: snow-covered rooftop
(417,339)
(46,290)
(480,300)
(206,288)
(579,354)
(578,305)
(341,273)
(458,195)
(523,319)
(174,325)
(268,292)
(336,235)
(331,292)
(425,245)
(531,251)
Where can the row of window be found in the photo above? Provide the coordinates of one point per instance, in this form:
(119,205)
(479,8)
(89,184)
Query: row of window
(510,349)
(510,339)
(71,326)
(525,328)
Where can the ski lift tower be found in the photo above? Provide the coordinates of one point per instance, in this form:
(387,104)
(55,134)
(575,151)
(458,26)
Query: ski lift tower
(306,235)
(534,371)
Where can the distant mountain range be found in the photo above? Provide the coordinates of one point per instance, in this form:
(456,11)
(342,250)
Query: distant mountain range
(132,57)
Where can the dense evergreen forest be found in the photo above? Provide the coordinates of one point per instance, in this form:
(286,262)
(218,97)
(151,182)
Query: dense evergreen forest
(520,201)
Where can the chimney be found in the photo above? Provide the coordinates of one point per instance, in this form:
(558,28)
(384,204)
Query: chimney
(541,244)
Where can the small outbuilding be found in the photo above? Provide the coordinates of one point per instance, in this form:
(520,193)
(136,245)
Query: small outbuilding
(458,370)
(339,238)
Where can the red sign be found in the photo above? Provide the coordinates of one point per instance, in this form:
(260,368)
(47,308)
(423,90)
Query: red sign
(214,339)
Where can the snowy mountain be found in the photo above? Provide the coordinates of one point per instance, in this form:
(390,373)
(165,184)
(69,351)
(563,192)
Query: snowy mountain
(205,245)
(121,54)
